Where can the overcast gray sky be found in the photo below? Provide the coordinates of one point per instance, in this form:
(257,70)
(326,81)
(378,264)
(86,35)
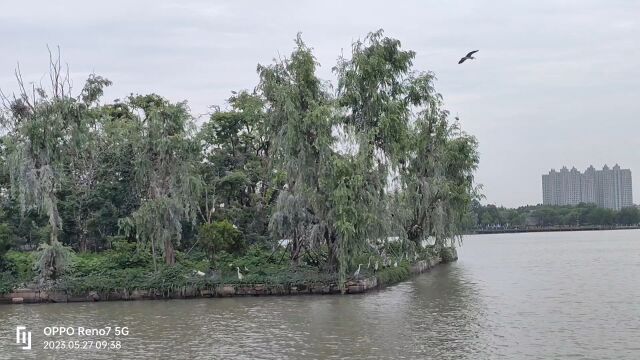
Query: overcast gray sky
(555,82)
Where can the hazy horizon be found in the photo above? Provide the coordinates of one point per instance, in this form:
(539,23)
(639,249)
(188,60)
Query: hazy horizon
(553,84)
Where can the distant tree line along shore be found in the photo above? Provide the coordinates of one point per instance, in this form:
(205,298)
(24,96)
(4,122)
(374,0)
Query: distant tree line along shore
(532,216)
(297,176)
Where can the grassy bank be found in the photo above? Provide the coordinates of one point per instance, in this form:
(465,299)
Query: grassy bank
(128,268)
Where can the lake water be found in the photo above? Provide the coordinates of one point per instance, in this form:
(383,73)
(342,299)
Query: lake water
(573,295)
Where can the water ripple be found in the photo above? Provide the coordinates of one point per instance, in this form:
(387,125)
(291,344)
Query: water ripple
(519,296)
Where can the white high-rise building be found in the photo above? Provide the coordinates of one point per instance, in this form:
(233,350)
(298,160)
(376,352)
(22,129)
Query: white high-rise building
(609,188)
(588,183)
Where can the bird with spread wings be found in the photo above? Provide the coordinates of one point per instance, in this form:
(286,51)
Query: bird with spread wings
(469,56)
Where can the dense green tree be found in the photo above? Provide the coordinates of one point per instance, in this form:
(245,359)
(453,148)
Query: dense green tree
(374,99)
(235,167)
(299,122)
(45,131)
(221,236)
(628,216)
(165,172)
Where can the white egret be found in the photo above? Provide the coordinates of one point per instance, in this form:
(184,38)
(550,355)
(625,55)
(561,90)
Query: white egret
(375,266)
(357,273)
(240,276)
(395,264)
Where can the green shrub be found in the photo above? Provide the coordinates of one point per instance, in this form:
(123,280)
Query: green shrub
(392,275)
(21,265)
(5,241)
(194,261)
(221,236)
(122,255)
(448,254)
(8,282)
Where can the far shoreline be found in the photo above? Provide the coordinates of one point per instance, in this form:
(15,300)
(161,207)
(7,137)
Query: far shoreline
(550,229)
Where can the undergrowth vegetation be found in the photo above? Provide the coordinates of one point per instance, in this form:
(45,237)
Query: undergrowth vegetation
(128,267)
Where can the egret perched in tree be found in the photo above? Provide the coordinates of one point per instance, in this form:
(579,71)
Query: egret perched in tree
(395,264)
(357,273)
(245,268)
(240,276)
(375,266)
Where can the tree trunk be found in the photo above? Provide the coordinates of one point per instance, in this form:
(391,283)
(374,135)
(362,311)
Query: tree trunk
(83,243)
(332,254)
(169,253)
(296,246)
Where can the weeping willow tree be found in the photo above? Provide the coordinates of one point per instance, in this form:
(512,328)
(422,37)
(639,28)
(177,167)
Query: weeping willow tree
(408,173)
(165,173)
(44,127)
(299,122)
(438,179)
(376,93)
(404,136)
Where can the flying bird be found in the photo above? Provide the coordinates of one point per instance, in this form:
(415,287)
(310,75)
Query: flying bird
(469,56)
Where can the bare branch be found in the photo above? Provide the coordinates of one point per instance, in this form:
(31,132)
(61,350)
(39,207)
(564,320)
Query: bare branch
(23,91)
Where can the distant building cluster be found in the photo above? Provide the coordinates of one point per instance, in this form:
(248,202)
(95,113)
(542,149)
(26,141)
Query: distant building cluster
(608,188)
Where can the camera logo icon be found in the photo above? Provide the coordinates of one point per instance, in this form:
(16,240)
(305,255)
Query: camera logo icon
(23,337)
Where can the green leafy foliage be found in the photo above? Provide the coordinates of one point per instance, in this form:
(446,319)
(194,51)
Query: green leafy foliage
(122,255)
(165,170)
(5,241)
(392,275)
(8,282)
(297,180)
(21,265)
(221,236)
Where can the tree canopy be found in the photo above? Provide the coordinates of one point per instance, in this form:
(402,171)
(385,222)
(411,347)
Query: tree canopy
(334,172)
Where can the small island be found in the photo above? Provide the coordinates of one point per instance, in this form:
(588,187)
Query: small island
(297,186)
